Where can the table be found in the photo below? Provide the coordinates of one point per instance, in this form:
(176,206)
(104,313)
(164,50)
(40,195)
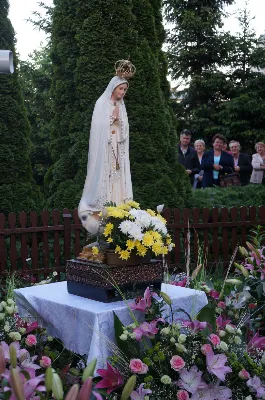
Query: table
(86,326)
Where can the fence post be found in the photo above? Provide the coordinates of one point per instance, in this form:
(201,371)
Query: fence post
(67,233)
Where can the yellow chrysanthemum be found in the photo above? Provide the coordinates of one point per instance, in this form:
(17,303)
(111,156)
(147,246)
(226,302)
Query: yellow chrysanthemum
(118,249)
(164,250)
(157,249)
(110,240)
(133,204)
(108,229)
(124,254)
(148,239)
(141,250)
(168,240)
(130,244)
(95,250)
(157,236)
(124,207)
(117,213)
(151,212)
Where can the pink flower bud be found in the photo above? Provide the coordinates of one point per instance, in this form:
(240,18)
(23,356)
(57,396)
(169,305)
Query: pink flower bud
(215,340)
(243,374)
(183,395)
(206,348)
(222,305)
(45,362)
(31,340)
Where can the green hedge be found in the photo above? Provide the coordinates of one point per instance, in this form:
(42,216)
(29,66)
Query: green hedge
(251,195)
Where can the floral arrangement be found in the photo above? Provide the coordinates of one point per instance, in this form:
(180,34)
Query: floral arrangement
(23,377)
(208,358)
(129,229)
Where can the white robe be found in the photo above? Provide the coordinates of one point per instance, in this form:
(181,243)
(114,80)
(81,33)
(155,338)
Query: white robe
(108,169)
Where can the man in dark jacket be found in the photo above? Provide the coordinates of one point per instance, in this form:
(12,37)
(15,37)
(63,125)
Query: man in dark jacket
(187,156)
(242,162)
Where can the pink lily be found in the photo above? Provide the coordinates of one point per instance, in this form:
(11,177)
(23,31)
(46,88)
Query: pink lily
(24,324)
(195,325)
(143,303)
(140,393)
(191,380)
(255,385)
(216,365)
(146,329)
(112,379)
(221,322)
(257,342)
(26,361)
(30,386)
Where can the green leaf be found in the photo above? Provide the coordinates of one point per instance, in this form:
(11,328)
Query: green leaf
(260,290)
(207,314)
(118,327)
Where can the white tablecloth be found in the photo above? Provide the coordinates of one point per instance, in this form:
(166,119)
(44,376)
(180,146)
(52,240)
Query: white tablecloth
(86,326)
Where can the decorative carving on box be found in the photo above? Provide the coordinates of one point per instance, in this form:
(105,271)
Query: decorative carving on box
(100,275)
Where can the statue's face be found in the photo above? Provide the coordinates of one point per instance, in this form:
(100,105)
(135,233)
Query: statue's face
(120,91)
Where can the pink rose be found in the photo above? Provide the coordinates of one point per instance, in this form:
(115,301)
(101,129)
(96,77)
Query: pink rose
(215,340)
(31,340)
(243,374)
(222,305)
(138,367)
(183,395)
(45,362)
(177,363)
(206,348)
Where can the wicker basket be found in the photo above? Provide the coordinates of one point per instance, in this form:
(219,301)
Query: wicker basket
(95,281)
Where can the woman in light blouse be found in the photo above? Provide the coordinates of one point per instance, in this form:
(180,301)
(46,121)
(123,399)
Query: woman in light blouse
(258,164)
(199,146)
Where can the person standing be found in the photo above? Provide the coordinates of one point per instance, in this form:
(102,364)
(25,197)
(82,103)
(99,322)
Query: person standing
(199,146)
(242,162)
(258,164)
(187,156)
(216,162)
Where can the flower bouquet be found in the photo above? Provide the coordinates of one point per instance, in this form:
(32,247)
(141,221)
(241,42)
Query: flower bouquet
(183,359)
(128,229)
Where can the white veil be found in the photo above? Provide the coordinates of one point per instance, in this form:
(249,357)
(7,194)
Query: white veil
(96,189)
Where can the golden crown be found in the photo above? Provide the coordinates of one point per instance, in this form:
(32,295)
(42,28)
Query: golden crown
(125,69)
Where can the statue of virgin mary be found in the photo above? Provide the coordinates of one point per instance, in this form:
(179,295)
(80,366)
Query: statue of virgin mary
(108,169)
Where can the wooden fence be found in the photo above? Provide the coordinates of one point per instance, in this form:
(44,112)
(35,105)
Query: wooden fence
(42,243)
(39,243)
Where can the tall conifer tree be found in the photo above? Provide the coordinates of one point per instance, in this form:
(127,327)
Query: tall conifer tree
(17,188)
(101,33)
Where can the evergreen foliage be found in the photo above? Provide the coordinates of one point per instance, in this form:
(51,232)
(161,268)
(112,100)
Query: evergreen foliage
(251,195)
(196,45)
(17,188)
(35,78)
(84,52)
(225,93)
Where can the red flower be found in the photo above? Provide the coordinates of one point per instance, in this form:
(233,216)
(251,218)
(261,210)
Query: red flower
(214,294)
(112,379)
